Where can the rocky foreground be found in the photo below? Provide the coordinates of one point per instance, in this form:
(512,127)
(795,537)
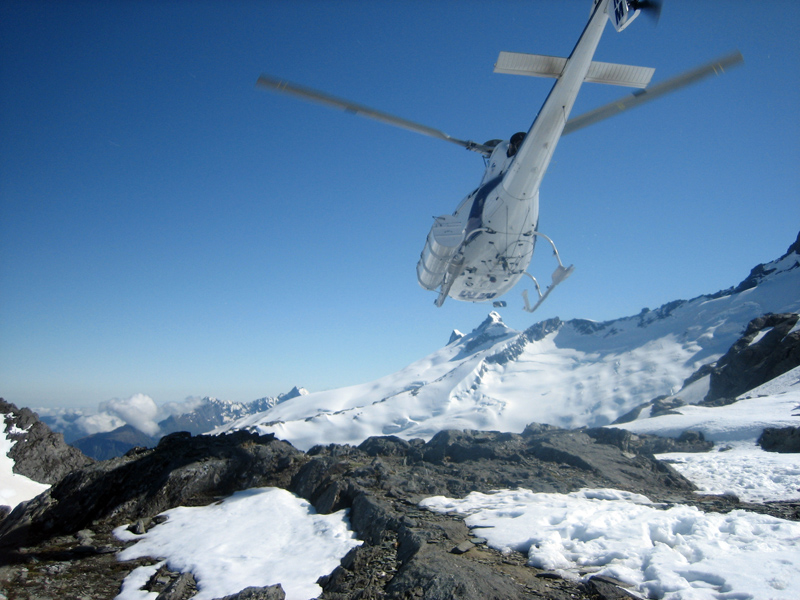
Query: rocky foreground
(60,545)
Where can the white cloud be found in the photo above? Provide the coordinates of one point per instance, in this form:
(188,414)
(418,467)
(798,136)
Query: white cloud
(140,411)
(179,408)
(99,423)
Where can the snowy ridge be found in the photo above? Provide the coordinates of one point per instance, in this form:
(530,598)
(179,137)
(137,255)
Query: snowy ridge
(676,553)
(569,374)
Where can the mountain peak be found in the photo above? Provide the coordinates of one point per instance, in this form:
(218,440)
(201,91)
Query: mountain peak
(293,393)
(493,318)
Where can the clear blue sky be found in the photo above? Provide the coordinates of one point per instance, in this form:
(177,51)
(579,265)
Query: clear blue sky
(166,228)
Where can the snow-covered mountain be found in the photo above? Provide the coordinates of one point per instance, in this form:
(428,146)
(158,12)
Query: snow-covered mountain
(568,374)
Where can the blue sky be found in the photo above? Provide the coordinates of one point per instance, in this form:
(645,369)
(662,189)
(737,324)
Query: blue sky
(166,228)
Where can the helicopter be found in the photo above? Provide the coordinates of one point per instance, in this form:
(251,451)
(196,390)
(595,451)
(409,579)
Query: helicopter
(481,251)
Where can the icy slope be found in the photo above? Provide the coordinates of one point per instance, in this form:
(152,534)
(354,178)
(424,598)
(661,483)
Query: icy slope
(568,374)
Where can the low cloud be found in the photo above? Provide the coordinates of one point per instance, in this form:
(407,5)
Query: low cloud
(180,408)
(99,423)
(139,411)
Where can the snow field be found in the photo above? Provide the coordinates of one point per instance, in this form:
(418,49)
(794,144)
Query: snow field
(742,469)
(675,553)
(256,537)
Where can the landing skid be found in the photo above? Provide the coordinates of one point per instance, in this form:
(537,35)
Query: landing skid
(559,275)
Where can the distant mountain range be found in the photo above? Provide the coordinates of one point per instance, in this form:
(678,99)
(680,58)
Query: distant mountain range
(211,413)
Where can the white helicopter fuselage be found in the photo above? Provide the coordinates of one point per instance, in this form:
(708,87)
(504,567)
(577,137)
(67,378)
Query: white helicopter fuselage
(498,221)
(499,235)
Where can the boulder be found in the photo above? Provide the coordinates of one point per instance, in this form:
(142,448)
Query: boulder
(780,439)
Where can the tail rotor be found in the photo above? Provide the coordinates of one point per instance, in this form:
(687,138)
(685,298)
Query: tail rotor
(652,8)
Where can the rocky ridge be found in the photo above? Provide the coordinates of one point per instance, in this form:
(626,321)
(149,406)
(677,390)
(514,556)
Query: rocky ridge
(53,541)
(38,453)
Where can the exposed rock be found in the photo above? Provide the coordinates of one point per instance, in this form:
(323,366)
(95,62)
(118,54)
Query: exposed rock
(665,405)
(661,405)
(607,588)
(765,350)
(760,271)
(272,592)
(38,453)
(534,333)
(688,441)
(455,336)
(180,587)
(783,439)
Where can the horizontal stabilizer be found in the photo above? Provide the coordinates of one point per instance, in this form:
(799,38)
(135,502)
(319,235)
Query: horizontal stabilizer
(539,65)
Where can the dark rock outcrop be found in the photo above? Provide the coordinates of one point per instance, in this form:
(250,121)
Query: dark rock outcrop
(780,439)
(759,272)
(765,351)
(272,592)
(408,552)
(181,470)
(38,453)
(688,441)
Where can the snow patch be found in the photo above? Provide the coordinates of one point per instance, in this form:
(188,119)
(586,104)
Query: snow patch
(252,538)
(676,553)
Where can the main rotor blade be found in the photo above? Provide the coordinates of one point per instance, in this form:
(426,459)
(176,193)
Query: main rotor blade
(280,85)
(641,96)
